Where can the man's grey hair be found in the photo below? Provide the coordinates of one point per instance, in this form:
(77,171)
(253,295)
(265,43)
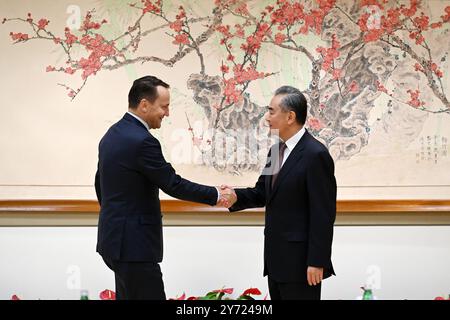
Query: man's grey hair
(293,100)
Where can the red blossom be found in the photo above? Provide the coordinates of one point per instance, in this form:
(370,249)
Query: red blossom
(422,22)
(446,18)
(373,35)
(225,30)
(409,12)
(415,101)
(417,36)
(440,298)
(107,295)
(287,13)
(252,45)
(380,87)
(435,69)
(253,291)
(315,124)
(240,33)
(224,68)
(418,67)
(436,25)
(50,69)
(176,25)
(392,21)
(337,73)
(362,22)
(242,75)
(377,3)
(279,38)
(231,93)
(88,24)
(181,39)
(99,45)
(70,38)
(90,66)
(329,54)
(151,7)
(19,36)
(69,70)
(242,9)
(42,23)
(181,13)
(353,87)
(15,297)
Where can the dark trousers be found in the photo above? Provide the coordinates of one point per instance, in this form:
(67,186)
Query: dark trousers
(293,290)
(137,280)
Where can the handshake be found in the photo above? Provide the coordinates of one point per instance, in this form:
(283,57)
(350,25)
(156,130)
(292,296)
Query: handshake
(227,196)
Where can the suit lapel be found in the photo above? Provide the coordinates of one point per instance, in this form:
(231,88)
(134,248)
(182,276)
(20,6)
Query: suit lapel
(292,161)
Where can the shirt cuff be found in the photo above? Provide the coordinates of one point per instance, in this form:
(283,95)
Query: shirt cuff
(218,194)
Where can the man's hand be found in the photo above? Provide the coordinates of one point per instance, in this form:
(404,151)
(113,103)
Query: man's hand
(227,196)
(315,275)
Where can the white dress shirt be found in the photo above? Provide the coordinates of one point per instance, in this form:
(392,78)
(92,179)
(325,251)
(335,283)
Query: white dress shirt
(140,120)
(291,143)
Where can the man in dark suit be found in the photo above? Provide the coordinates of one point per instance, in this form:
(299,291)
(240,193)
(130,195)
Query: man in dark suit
(131,170)
(300,201)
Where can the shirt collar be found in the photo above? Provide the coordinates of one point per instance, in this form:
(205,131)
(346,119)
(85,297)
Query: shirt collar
(142,121)
(292,141)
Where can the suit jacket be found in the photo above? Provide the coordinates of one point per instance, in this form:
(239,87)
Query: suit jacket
(300,212)
(131,170)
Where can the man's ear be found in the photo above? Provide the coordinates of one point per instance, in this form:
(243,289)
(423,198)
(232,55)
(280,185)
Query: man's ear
(291,117)
(143,105)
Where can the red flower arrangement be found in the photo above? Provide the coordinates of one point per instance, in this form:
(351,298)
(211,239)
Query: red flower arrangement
(212,295)
(107,295)
(442,298)
(220,293)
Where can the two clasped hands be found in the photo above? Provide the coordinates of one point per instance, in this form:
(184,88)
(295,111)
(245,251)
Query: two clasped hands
(227,196)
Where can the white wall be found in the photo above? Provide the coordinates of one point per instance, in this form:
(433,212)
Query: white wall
(408,262)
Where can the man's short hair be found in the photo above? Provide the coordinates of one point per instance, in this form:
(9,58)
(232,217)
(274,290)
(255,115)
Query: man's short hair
(293,100)
(144,88)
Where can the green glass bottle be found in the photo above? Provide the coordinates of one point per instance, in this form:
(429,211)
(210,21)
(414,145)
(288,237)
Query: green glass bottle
(84,295)
(367,295)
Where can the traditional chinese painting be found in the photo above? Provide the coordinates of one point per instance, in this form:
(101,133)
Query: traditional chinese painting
(375,73)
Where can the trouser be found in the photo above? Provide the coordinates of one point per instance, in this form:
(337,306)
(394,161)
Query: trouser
(293,290)
(137,280)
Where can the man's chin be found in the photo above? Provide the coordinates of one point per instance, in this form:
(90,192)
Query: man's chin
(274,132)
